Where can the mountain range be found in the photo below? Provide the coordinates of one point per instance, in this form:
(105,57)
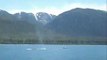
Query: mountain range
(77,22)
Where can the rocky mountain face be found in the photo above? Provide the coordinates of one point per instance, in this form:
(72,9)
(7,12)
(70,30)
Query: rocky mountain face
(40,17)
(44,18)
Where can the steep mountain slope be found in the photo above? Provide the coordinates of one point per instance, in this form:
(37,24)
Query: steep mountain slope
(81,22)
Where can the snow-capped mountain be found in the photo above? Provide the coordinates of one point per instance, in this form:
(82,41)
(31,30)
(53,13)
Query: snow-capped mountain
(44,18)
(40,17)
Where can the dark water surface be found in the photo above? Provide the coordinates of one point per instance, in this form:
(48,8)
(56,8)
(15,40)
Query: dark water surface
(52,52)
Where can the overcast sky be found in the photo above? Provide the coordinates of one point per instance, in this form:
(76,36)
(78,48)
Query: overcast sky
(50,6)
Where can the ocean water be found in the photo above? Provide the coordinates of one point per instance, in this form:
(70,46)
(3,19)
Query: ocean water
(52,52)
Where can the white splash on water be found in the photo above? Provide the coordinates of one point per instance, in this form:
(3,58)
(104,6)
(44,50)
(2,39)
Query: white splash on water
(43,48)
(29,49)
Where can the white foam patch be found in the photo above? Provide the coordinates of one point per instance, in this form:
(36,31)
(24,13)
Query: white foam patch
(28,49)
(42,48)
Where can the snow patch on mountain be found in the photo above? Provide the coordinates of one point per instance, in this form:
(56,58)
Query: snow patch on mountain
(43,17)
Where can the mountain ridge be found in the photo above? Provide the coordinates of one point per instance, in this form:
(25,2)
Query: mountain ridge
(88,21)
(70,27)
